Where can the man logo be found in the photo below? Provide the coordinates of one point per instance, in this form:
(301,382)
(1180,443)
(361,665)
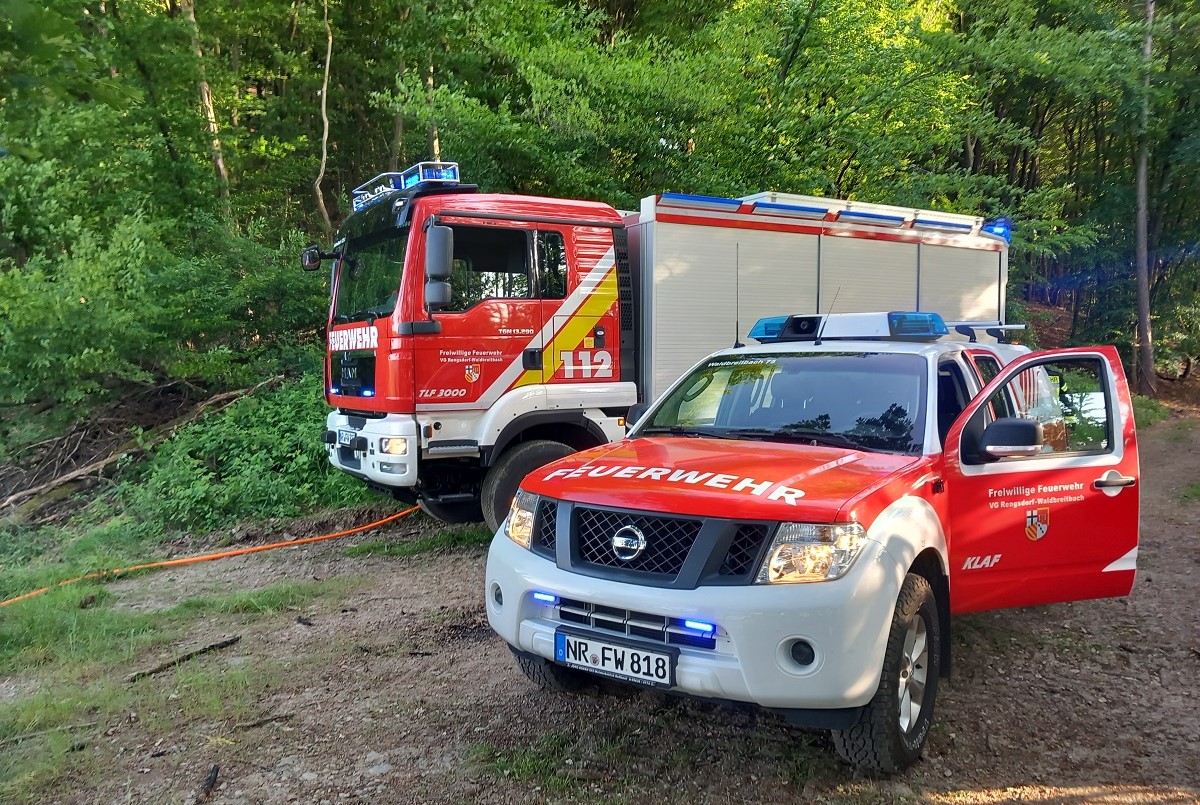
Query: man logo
(471,372)
(1037,523)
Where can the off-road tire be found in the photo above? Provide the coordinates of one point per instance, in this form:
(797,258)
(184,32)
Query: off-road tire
(879,742)
(548,676)
(506,475)
(453,513)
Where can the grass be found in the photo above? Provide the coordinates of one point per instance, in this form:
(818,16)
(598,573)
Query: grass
(1148,411)
(450,539)
(1191,493)
(68,662)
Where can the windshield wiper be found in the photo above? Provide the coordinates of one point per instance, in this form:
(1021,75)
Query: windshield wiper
(695,433)
(818,437)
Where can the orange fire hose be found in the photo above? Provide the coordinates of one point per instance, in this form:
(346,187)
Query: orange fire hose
(208,557)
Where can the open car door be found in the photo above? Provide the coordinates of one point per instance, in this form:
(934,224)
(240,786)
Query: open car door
(1042,474)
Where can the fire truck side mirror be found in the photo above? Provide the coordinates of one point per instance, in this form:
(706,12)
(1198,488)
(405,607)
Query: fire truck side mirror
(310,258)
(437,295)
(439,262)
(439,252)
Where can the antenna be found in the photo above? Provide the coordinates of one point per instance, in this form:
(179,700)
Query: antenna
(737,295)
(825,318)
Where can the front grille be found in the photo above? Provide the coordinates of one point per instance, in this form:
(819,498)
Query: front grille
(668,540)
(545,528)
(627,622)
(743,550)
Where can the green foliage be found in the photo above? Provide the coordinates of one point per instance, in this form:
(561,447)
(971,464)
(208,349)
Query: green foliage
(1147,411)
(1191,493)
(261,457)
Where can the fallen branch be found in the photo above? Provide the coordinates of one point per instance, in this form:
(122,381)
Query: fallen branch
(182,658)
(262,722)
(210,782)
(162,433)
(16,739)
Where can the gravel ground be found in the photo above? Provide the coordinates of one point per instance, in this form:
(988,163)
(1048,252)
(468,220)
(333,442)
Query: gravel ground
(399,692)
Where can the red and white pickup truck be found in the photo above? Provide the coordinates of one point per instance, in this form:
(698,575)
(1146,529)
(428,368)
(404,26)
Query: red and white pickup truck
(792,524)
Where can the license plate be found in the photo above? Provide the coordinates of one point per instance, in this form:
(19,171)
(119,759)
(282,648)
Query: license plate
(616,660)
(346,436)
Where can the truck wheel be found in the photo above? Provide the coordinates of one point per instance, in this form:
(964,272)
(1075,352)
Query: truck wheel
(548,676)
(891,731)
(506,474)
(452,513)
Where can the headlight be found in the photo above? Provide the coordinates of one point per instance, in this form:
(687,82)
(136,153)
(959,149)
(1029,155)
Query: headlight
(810,552)
(519,525)
(393,446)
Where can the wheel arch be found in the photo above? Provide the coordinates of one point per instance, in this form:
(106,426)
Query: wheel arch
(928,565)
(911,533)
(571,428)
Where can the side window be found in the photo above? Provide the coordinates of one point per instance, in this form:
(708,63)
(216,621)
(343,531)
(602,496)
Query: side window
(489,263)
(988,368)
(552,265)
(1071,400)
(952,396)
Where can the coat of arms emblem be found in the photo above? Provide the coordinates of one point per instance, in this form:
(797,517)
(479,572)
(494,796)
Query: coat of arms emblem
(1037,523)
(471,372)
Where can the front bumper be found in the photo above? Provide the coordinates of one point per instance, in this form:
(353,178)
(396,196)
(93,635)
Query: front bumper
(369,464)
(845,621)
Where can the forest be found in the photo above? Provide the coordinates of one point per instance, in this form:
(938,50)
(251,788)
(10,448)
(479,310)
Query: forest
(163,163)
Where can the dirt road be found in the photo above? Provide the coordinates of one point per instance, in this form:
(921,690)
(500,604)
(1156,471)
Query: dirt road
(399,692)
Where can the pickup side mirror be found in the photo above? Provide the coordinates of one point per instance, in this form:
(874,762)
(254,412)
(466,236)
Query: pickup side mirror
(636,412)
(1010,437)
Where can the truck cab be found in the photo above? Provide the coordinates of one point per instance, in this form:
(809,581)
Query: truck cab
(472,337)
(792,524)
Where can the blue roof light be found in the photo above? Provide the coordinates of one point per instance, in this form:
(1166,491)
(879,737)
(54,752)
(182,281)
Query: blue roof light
(368,392)
(423,174)
(768,329)
(916,325)
(1001,227)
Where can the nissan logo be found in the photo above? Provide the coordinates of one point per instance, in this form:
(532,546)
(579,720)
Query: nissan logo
(628,543)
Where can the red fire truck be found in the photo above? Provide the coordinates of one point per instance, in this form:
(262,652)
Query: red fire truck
(473,337)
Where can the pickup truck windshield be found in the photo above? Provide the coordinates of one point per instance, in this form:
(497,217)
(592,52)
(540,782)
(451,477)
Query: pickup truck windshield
(368,277)
(863,401)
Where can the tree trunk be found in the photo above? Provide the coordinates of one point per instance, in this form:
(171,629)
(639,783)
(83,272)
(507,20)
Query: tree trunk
(325,125)
(1145,360)
(188,8)
(435,148)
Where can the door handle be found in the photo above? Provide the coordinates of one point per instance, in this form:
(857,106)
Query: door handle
(531,359)
(1114,481)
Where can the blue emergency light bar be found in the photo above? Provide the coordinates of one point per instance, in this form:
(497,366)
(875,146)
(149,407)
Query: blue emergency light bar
(893,326)
(421,175)
(1001,227)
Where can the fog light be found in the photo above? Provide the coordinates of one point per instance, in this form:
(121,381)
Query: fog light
(803,653)
(393,469)
(497,595)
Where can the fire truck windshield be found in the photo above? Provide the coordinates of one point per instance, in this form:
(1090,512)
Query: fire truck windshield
(368,277)
(863,401)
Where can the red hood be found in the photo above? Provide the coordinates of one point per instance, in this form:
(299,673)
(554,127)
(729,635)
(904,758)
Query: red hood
(717,477)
